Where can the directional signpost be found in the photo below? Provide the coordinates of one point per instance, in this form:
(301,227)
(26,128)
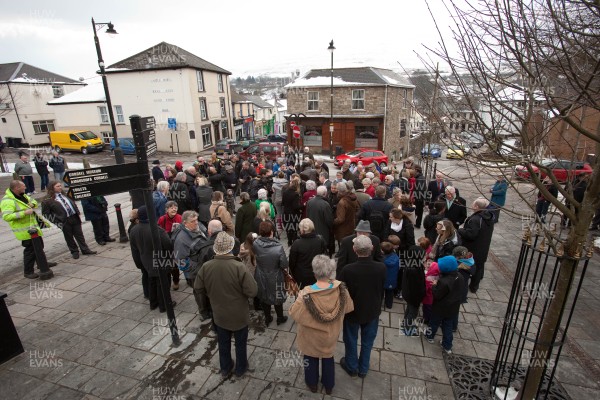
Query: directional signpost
(105,180)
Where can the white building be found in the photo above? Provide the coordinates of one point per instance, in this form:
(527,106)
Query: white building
(25,90)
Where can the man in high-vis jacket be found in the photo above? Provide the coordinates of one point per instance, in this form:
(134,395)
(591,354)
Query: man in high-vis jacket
(18,210)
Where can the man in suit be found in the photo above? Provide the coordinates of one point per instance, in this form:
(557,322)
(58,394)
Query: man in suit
(435,189)
(346,254)
(64,213)
(456,206)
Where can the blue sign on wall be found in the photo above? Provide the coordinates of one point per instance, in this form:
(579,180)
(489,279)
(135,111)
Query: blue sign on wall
(172,123)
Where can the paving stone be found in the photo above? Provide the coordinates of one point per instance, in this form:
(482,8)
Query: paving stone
(345,386)
(283,341)
(260,362)
(22,310)
(429,369)
(119,388)
(71,283)
(485,350)
(86,287)
(287,392)
(257,389)
(194,380)
(76,378)
(438,391)
(408,388)
(87,322)
(135,334)
(48,315)
(119,329)
(131,310)
(402,344)
(569,371)
(376,385)
(218,389)
(484,334)
(392,363)
(466,331)
(82,303)
(98,331)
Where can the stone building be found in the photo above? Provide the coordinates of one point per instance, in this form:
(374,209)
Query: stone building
(371,109)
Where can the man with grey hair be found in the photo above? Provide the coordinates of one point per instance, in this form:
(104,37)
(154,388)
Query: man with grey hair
(377,211)
(346,254)
(476,236)
(456,206)
(319,211)
(365,280)
(159,198)
(324,180)
(303,250)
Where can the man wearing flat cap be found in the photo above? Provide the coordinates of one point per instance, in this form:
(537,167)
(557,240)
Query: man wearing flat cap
(228,284)
(346,254)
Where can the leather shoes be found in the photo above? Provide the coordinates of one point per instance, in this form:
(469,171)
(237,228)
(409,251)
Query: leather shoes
(89,252)
(52,264)
(102,243)
(110,240)
(33,275)
(75,255)
(46,275)
(353,374)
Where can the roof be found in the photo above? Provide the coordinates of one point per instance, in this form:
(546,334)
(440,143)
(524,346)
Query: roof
(239,98)
(92,93)
(20,72)
(257,101)
(163,56)
(360,76)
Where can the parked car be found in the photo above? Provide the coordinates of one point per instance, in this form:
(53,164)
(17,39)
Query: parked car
(229,146)
(474,140)
(272,150)
(563,170)
(274,138)
(246,143)
(433,151)
(126,144)
(455,152)
(367,156)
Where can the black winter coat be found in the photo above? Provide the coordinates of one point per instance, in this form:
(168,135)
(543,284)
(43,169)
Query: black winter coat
(204,196)
(413,276)
(244,220)
(365,280)
(447,294)
(144,255)
(429,224)
(346,254)
(319,211)
(179,193)
(42,167)
(378,204)
(302,252)
(477,235)
(216,182)
(406,234)
(94,208)
(457,213)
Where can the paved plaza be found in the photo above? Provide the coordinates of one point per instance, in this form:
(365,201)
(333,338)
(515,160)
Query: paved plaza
(88,333)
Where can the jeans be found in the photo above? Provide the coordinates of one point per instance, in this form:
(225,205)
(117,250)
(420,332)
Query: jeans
(241,357)
(311,371)
(44,184)
(368,332)
(446,323)
(29,184)
(58,176)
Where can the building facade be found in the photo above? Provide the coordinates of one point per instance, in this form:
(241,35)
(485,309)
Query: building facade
(371,109)
(25,90)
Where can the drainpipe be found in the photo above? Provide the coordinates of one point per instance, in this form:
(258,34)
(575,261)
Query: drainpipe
(12,99)
(384,118)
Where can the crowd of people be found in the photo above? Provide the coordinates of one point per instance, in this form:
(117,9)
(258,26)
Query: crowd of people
(352,247)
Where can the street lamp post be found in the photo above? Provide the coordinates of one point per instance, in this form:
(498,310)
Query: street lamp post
(110,30)
(331,49)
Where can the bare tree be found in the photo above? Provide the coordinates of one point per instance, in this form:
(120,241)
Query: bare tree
(523,68)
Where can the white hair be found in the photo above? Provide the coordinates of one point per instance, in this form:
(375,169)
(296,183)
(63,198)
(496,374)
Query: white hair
(262,194)
(311,185)
(322,191)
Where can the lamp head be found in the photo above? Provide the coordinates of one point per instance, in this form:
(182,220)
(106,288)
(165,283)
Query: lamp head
(331,48)
(111,29)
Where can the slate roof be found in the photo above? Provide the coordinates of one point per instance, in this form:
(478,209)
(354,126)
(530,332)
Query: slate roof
(360,76)
(258,101)
(163,56)
(20,72)
(239,98)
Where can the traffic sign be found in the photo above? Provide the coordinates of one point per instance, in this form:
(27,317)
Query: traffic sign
(292,124)
(108,187)
(103,174)
(296,131)
(147,123)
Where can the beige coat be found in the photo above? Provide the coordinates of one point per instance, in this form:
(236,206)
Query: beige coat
(318,330)
(224,215)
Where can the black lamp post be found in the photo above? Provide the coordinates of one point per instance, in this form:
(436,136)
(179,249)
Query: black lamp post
(110,30)
(331,49)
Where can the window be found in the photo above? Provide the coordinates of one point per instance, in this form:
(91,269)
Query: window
(224,132)
(404,94)
(203,112)
(223,110)
(43,127)
(206,136)
(220,82)
(200,80)
(58,91)
(402,127)
(119,112)
(106,136)
(103,114)
(358,99)
(313,101)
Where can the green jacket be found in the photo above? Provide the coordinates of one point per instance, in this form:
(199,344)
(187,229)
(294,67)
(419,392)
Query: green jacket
(13,212)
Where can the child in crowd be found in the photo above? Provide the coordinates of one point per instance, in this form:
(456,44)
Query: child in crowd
(431,276)
(447,293)
(395,241)
(413,287)
(392,264)
(425,244)
(466,267)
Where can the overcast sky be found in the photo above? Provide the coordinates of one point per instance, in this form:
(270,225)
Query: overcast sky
(244,37)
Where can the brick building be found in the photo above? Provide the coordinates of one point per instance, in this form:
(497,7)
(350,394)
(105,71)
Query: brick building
(566,142)
(371,108)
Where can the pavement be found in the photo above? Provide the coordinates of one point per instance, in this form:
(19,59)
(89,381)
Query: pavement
(88,332)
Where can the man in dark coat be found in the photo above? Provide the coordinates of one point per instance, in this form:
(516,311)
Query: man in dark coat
(435,189)
(419,195)
(456,206)
(94,209)
(477,236)
(377,211)
(245,176)
(346,255)
(152,261)
(365,281)
(303,250)
(215,179)
(413,286)
(244,217)
(319,212)
(157,173)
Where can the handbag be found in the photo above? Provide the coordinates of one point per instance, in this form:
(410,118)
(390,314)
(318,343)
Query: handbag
(291,286)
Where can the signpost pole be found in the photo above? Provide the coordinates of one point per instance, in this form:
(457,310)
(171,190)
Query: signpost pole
(122,233)
(142,143)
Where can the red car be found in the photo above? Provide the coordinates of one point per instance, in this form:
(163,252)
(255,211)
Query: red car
(563,170)
(367,156)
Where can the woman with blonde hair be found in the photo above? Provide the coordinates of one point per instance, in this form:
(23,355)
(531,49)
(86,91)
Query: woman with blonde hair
(263,214)
(248,257)
(218,210)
